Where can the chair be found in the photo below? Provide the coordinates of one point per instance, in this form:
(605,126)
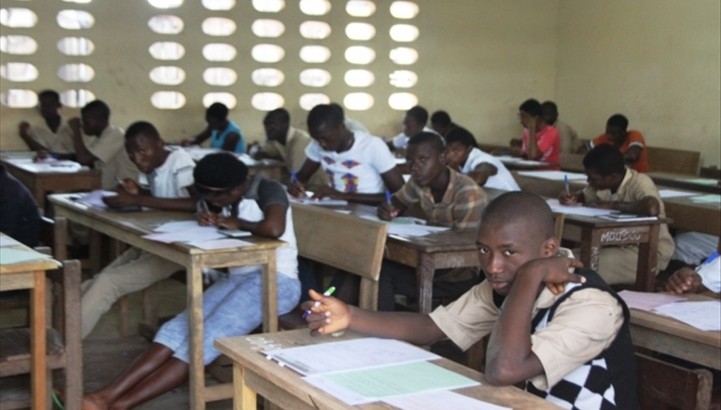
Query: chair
(663,385)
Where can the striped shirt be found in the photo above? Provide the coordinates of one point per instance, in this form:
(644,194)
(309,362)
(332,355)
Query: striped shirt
(460,207)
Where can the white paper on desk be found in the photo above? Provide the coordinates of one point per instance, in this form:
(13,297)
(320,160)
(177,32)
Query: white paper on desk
(331,357)
(247,159)
(441,400)
(555,175)
(220,244)
(673,193)
(7,241)
(320,202)
(196,234)
(648,301)
(701,315)
(95,198)
(414,230)
(57,166)
(706,199)
(577,210)
(10,256)
(176,226)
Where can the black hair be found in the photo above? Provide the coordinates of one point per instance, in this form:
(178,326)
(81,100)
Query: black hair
(280,114)
(96,108)
(531,107)
(462,136)
(525,207)
(141,127)
(328,114)
(550,105)
(221,170)
(605,159)
(217,110)
(617,121)
(338,107)
(431,138)
(441,118)
(418,114)
(51,94)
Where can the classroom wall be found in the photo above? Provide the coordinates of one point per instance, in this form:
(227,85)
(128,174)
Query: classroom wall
(656,61)
(478,60)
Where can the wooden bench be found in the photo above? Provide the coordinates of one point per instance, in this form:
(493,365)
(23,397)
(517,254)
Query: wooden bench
(673,160)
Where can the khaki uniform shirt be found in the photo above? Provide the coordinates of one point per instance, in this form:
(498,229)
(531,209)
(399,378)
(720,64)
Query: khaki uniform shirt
(59,142)
(113,162)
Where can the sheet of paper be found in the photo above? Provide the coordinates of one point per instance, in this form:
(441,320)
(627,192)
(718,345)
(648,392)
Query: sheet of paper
(346,355)
(320,202)
(197,153)
(441,400)
(176,226)
(577,210)
(95,198)
(60,166)
(555,175)
(220,244)
(7,241)
(367,385)
(414,229)
(700,181)
(672,193)
(701,315)
(707,199)
(195,234)
(519,161)
(648,301)
(11,256)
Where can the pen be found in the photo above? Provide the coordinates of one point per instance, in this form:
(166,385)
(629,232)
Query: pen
(388,197)
(293,177)
(565,184)
(328,292)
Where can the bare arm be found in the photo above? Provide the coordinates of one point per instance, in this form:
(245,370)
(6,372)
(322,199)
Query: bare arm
(198,139)
(130,194)
(332,315)
(533,151)
(297,187)
(24,130)
(482,172)
(272,225)
(82,153)
(633,154)
(230,141)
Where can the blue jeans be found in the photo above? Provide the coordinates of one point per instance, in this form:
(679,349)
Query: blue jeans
(232,306)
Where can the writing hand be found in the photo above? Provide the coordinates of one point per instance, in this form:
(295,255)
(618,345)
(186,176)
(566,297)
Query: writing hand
(296,189)
(386,211)
(325,192)
(121,200)
(206,218)
(227,222)
(327,314)
(41,155)
(684,280)
(130,186)
(567,198)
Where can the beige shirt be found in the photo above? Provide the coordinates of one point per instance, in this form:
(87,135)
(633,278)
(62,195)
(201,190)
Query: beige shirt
(293,153)
(634,187)
(583,326)
(113,162)
(60,141)
(568,136)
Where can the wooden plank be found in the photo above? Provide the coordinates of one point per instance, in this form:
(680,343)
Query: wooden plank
(38,343)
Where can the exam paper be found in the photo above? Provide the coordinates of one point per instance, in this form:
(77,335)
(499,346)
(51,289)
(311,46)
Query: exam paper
(441,400)
(577,210)
(95,198)
(672,193)
(555,175)
(647,301)
(701,315)
(195,234)
(707,199)
(11,256)
(346,355)
(380,383)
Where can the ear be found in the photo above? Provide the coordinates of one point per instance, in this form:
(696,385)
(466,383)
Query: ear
(550,247)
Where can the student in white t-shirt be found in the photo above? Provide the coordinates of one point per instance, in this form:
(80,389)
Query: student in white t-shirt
(463,154)
(166,182)
(414,122)
(360,167)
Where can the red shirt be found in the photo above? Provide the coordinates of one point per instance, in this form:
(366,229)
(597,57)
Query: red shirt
(634,139)
(548,142)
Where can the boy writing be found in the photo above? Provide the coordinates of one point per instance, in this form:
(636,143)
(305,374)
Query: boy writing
(463,155)
(359,166)
(232,306)
(166,179)
(447,198)
(53,135)
(223,133)
(631,143)
(564,334)
(613,186)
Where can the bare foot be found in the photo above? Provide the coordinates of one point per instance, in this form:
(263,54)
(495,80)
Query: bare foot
(94,402)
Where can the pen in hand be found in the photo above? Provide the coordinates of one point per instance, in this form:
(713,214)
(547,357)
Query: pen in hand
(566,187)
(328,292)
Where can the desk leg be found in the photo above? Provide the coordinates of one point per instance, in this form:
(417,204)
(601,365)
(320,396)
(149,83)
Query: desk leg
(647,262)
(425,271)
(590,248)
(270,295)
(194,274)
(245,398)
(38,348)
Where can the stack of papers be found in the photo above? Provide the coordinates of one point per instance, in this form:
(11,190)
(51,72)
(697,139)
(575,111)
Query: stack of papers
(701,315)
(577,209)
(369,369)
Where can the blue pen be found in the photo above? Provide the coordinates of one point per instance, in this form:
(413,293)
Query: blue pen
(293,177)
(388,196)
(565,184)
(328,292)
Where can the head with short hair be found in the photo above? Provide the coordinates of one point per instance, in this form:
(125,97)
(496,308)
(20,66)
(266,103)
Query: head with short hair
(616,128)
(144,146)
(459,144)
(516,227)
(95,117)
(216,115)
(325,125)
(49,103)
(441,122)
(220,179)
(276,124)
(415,120)
(605,167)
(529,111)
(425,157)
(549,112)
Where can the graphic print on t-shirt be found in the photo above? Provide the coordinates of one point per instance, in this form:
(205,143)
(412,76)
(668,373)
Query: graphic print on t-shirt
(351,182)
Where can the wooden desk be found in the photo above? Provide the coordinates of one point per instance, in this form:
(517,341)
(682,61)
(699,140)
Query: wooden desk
(669,336)
(254,374)
(41,182)
(684,181)
(130,227)
(31,275)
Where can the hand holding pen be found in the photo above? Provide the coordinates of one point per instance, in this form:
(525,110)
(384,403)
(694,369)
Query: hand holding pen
(328,292)
(296,188)
(386,210)
(328,315)
(205,217)
(566,197)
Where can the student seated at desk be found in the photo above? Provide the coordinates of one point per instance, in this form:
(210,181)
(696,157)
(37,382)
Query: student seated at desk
(414,121)
(613,186)
(631,143)
(19,215)
(463,155)
(359,166)
(53,134)
(565,335)
(287,144)
(103,148)
(706,276)
(166,180)
(232,306)
(441,122)
(566,134)
(223,133)
(539,141)
(447,198)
